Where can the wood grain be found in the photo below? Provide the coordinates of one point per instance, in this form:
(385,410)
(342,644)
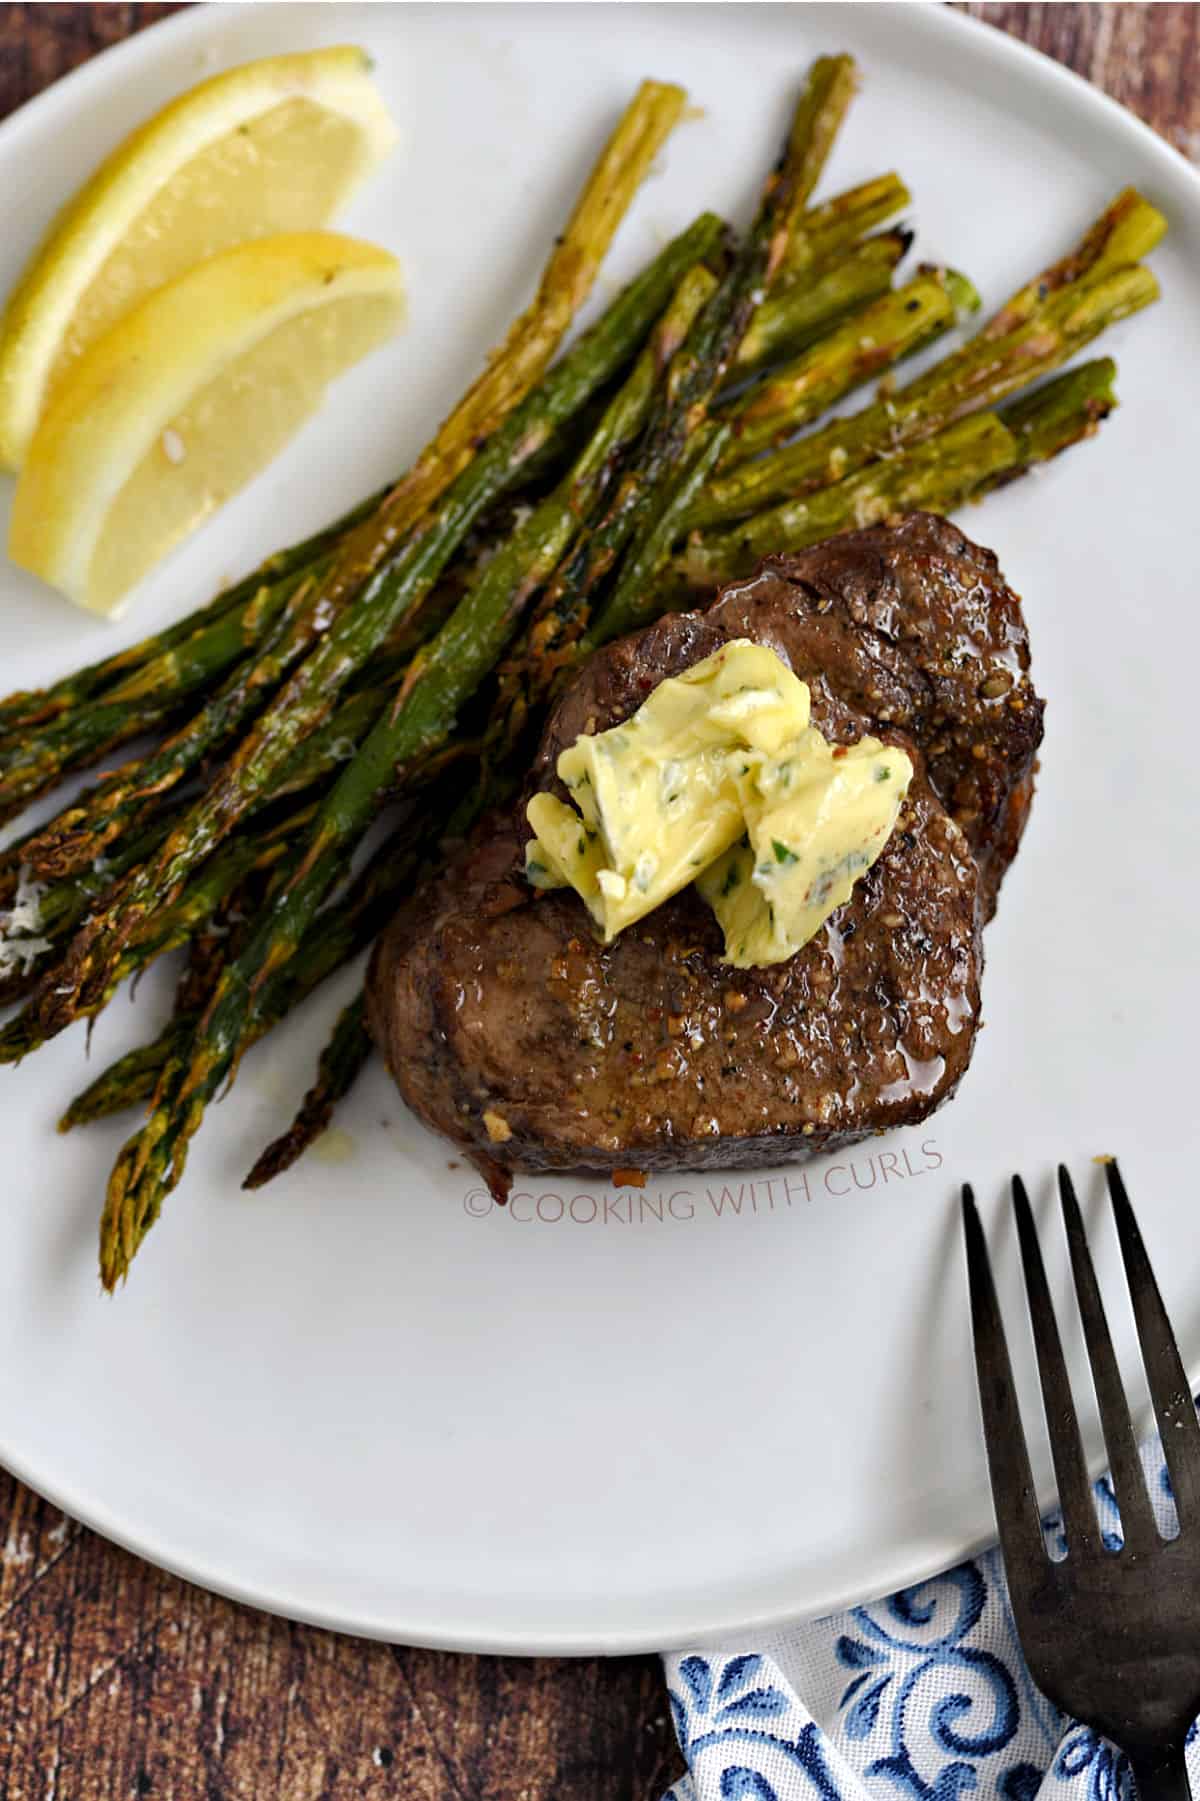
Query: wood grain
(119,1681)
(1147,57)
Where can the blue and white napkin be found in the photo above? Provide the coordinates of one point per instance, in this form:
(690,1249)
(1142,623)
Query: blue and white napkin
(921,1696)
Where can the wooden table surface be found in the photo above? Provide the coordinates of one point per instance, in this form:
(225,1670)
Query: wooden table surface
(117,1680)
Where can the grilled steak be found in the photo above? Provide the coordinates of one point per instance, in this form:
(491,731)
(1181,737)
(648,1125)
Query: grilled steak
(511,1029)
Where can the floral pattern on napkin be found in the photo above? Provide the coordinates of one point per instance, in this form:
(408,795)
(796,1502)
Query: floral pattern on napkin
(921,1696)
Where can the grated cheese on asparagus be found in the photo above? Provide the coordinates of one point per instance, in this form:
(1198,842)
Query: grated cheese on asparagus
(20,928)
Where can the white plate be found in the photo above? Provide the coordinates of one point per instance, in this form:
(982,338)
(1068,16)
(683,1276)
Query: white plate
(367,1398)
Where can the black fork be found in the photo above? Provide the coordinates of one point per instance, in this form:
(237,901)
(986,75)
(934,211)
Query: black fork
(1111,1637)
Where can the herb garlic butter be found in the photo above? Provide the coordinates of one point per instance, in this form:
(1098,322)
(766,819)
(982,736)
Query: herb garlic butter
(719,779)
(817,817)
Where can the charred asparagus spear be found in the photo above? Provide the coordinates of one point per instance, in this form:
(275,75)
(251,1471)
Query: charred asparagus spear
(68,900)
(64,905)
(172,926)
(336,937)
(341,1062)
(868,341)
(78,836)
(823,105)
(827,231)
(1055,416)
(1074,299)
(794,317)
(28,709)
(1126,231)
(531,342)
(632,600)
(985,371)
(552,641)
(157,693)
(967,458)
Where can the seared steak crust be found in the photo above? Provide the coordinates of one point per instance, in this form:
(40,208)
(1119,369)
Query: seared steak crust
(509,1028)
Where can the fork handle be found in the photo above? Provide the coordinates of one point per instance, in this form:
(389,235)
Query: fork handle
(1161,1774)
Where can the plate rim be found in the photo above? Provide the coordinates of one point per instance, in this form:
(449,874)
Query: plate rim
(691,1623)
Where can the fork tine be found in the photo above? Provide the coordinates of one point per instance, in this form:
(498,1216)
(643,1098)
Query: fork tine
(1070,1468)
(1008,1455)
(1169,1387)
(1137,1518)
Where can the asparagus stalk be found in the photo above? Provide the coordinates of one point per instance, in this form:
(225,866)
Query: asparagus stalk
(828,91)
(155,693)
(307,698)
(132,1076)
(339,934)
(628,605)
(552,641)
(68,900)
(1126,231)
(950,465)
(172,926)
(982,451)
(126,1082)
(1055,416)
(531,342)
(148,686)
(445,672)
(794,317)
(871,340)
(152,1162)
(341,1061)
(206,655)
(75,838)
(333,939)
(13,859)
(98,816)
(116,807)
(827,231)
(985,371)
(34,708)
(843,268)
(64,905)
(562,609)
(716,338)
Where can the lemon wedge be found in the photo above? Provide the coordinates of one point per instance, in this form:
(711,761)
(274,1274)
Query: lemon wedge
(186,398)
(272,146)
